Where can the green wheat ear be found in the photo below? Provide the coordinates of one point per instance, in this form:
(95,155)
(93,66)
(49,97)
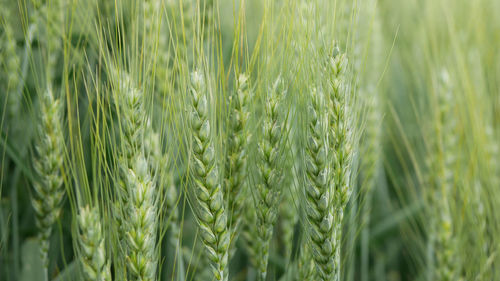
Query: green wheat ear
(48,190)
(443,181)
(269,177)
(327,203)
(160,169)
(93,258)
(318,193)
(236,162)
(137,209)
(212,217)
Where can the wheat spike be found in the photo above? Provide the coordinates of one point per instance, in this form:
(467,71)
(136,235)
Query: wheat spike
(341,136)
(444,183)
(93,258)
(269,177)
(212,217)
(138,190)
(49,189)
(235,174)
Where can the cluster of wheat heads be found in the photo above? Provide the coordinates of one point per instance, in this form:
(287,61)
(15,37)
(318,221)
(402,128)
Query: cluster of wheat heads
(137,188)
(109,135)
(222,140)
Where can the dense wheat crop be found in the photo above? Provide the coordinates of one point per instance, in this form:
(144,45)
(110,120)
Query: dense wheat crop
(322,140)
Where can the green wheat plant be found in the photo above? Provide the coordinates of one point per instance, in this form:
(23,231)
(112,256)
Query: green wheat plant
(139,193)
(253,140)
(212,215)
(49,190)
(267,191)
(236,180)
(93,251)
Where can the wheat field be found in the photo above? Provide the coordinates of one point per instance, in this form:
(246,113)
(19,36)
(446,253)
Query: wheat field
(249,140)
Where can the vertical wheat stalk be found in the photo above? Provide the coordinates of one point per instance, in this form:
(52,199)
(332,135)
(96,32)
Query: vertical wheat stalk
(269,176)
(319,203)
(138,206)
(211,212)
(49,189)
(341,137)
(443,181)
(235,168)
(92,249)
(371,148)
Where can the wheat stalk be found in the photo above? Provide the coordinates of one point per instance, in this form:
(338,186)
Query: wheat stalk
(138,191)
(235,174)
(371,148)
(269,177)
(49,189)
(341,135)
(92,250)
(319,206)
(444,159)
(211,213)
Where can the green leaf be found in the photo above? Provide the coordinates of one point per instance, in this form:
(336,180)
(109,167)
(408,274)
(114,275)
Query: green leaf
(15,156)
(71,272)
(32,261)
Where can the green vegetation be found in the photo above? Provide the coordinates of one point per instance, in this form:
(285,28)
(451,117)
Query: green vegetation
(249,140)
